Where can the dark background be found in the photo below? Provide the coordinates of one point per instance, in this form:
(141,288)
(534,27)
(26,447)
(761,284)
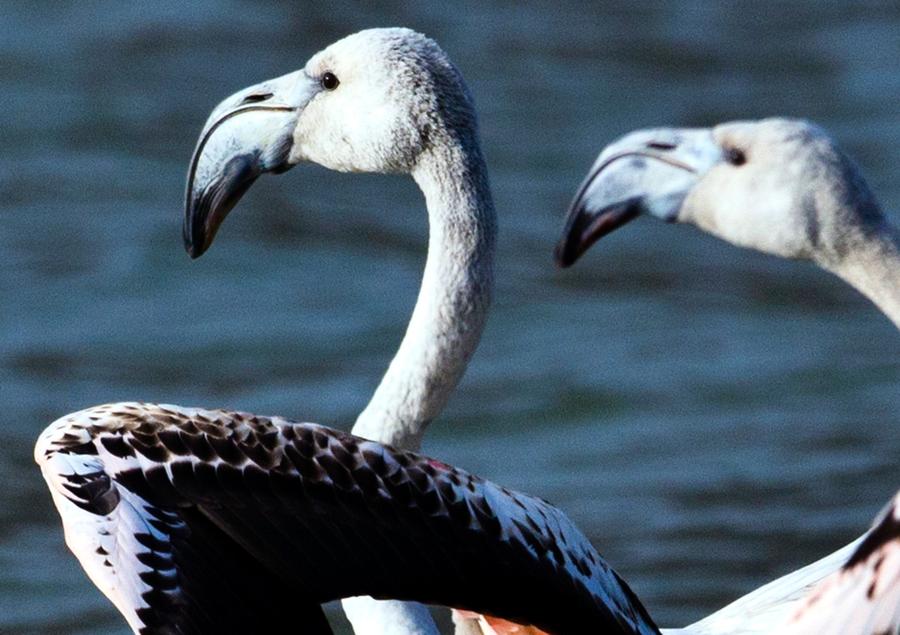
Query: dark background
(709,416)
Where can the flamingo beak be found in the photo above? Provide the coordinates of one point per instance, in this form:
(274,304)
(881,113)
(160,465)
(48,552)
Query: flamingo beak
(645,172)
(247,135)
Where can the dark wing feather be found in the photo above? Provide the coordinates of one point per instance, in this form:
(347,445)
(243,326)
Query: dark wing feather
(218,516)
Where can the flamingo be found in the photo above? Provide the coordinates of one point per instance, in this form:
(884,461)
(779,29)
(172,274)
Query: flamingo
(783,187)
(382,100)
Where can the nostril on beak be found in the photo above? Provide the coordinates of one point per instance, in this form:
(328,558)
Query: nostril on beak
(255,98)
(661,145)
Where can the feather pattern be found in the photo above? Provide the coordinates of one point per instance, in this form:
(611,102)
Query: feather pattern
(864,595)
(195,521)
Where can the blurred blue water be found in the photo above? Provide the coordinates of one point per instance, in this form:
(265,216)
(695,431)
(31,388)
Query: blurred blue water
(711,417)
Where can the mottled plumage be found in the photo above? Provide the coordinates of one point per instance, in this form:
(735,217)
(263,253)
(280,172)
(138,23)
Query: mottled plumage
(191,520)
(198,521)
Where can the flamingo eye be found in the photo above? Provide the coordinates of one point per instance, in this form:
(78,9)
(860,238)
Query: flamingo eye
(330,81)
(735,156)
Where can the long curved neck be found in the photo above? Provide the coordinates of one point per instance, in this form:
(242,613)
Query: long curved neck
(453,301)
(872,266)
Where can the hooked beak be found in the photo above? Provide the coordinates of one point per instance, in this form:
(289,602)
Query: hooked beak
(248,134)
(649,171)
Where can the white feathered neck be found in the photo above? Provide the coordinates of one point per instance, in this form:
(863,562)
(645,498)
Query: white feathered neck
(453,301)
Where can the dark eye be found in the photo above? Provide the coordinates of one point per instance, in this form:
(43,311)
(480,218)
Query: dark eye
(330,81)
(255,98)
(735,156)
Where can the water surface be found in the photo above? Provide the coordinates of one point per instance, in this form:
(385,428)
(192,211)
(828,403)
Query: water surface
(709,416)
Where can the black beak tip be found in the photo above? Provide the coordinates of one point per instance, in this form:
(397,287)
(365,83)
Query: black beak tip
(563,253)
(584,228)
(194,242)
(569,248)
(195,249)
